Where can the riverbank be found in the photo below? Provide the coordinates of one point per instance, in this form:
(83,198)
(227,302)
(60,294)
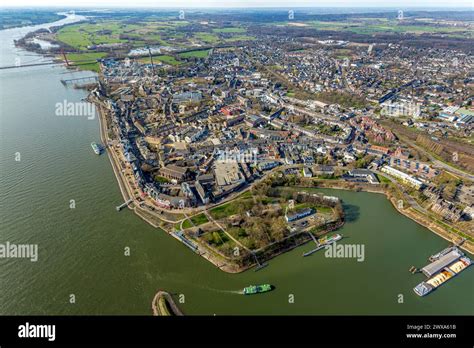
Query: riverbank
(135,206)
(409,212)
(20,18)
(58,165)
(225,265)
(218,260)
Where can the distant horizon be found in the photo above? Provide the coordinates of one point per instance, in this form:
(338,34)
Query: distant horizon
(244,4)
(238,8)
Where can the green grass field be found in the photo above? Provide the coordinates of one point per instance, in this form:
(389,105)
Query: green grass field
(82,35)
(224,210)
(370,26)
(165,59)
(195,54)
(207,37)
(85,61)
(195,221)
(199,219)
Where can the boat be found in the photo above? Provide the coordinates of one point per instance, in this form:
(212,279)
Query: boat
(331,239)
(324,243)
(180,236)
(424,288)
(97,149)
(443,252)
(257,289)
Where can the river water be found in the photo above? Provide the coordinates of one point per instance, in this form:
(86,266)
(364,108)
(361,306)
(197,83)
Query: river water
(81,250)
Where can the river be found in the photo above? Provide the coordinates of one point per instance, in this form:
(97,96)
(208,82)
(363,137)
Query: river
(82,250)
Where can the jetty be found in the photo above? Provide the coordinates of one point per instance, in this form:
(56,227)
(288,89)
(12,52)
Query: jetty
(123,205)
(318,246)
(164,305)
(322,245)
(259,265)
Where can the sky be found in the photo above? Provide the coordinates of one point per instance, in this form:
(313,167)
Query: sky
(288,4)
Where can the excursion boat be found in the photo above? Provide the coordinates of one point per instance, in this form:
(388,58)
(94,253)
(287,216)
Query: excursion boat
(332,239)
(96,148)
(257,289)
(323,243)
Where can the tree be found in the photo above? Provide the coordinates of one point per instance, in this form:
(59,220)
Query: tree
(243,207)
(278,228)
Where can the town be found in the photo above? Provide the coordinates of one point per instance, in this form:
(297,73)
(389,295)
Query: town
(228,120)
(279,160)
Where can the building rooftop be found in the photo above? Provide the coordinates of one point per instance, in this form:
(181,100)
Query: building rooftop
(438,265)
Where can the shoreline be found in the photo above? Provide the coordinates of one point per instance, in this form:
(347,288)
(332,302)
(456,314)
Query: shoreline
(203,252)
(412,216)
(408,213)
(125,195)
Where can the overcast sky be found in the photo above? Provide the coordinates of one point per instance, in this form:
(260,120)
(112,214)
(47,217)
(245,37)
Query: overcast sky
(243,3)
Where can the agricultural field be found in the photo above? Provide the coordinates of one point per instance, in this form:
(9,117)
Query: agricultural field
(371,26)
(81,36)
(195,54)
(207,37)
(165,59)
(84,36)
(230,30)
(86,61)
(98,39)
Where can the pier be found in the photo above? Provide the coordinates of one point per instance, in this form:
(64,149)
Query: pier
(318,246)
(164,305)
(123,205)
(259,265)
(322,245)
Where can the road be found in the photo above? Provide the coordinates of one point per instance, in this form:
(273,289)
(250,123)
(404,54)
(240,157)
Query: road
(438,163)
(407,197)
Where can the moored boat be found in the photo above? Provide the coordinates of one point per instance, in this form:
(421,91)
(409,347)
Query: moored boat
(97,149)
(424,288)
(322,243)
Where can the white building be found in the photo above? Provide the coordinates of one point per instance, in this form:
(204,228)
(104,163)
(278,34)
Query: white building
(408,179)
